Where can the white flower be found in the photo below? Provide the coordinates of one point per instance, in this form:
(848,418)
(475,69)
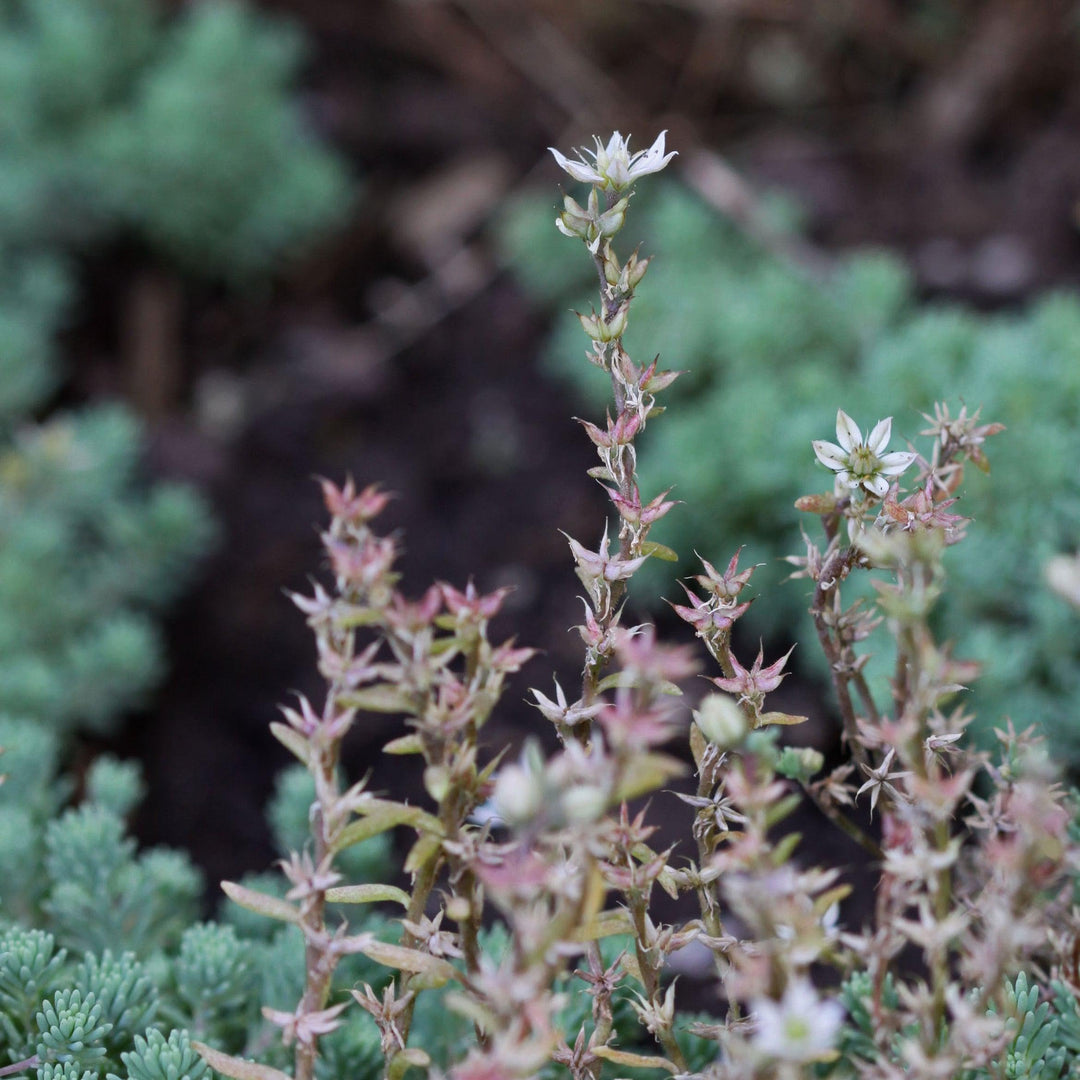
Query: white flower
(613,166)
(800,1027)
(858,462)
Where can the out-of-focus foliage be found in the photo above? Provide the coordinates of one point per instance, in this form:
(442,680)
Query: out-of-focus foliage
(105,969)
(87,557)
(184,133)
(771,353)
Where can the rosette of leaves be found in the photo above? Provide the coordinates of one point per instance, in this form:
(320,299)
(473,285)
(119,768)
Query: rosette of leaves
(769,351)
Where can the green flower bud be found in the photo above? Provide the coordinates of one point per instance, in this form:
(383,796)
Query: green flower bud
(721,720)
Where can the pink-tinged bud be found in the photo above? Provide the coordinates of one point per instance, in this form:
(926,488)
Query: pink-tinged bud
(653,381)
(629,508)
(596,436)
(758,681)
(705,616)
(657,508)
(730,583)
(345,504)
(507,659)
(361,565)
(471,605)
(591,633)
(626,427)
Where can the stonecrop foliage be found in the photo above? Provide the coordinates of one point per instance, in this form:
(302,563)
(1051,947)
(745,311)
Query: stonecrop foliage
(120,125)
(769,350)
(529,926)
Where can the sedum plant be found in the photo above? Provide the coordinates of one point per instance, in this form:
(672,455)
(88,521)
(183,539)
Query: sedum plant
(182,133)
(529,921)
(770,351)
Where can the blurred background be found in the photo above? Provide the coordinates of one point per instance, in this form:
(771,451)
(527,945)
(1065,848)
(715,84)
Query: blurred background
(245,245)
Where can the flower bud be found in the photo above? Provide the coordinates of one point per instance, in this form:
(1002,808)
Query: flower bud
(721,720)
(582,803)
(518,795)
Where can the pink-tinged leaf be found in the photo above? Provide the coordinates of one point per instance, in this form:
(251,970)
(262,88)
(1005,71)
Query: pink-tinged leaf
(273,907)
(235,1067)
(816,504)
(368,894)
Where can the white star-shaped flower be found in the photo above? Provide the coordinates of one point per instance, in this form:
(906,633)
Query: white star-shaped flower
(862,463)
(613,166)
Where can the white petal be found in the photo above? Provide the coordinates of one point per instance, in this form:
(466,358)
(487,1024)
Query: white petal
(847,479)
(577,169)
(616,144)
(848,434)
(651,160)
(877,484)
(878,439)
(895,463)
(829,454)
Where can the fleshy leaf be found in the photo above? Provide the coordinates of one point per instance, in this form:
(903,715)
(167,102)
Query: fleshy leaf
(272,907)
(659,551)
(406,744)
(436,970)
(367,894)
(292,740)
(635,1061)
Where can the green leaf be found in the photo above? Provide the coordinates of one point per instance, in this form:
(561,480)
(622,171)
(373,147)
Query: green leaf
(635,1061)
(436,971)
(659,551)
(424,849)
(647,772)
(272,907)
(785,719)
(607,923)
(367,894)
(293,741)
(383,698)
(406,744)
(380,815)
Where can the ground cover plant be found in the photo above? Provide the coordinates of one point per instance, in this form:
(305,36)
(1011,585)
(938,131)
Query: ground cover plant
(769,348)
(525,941)
(179,138)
